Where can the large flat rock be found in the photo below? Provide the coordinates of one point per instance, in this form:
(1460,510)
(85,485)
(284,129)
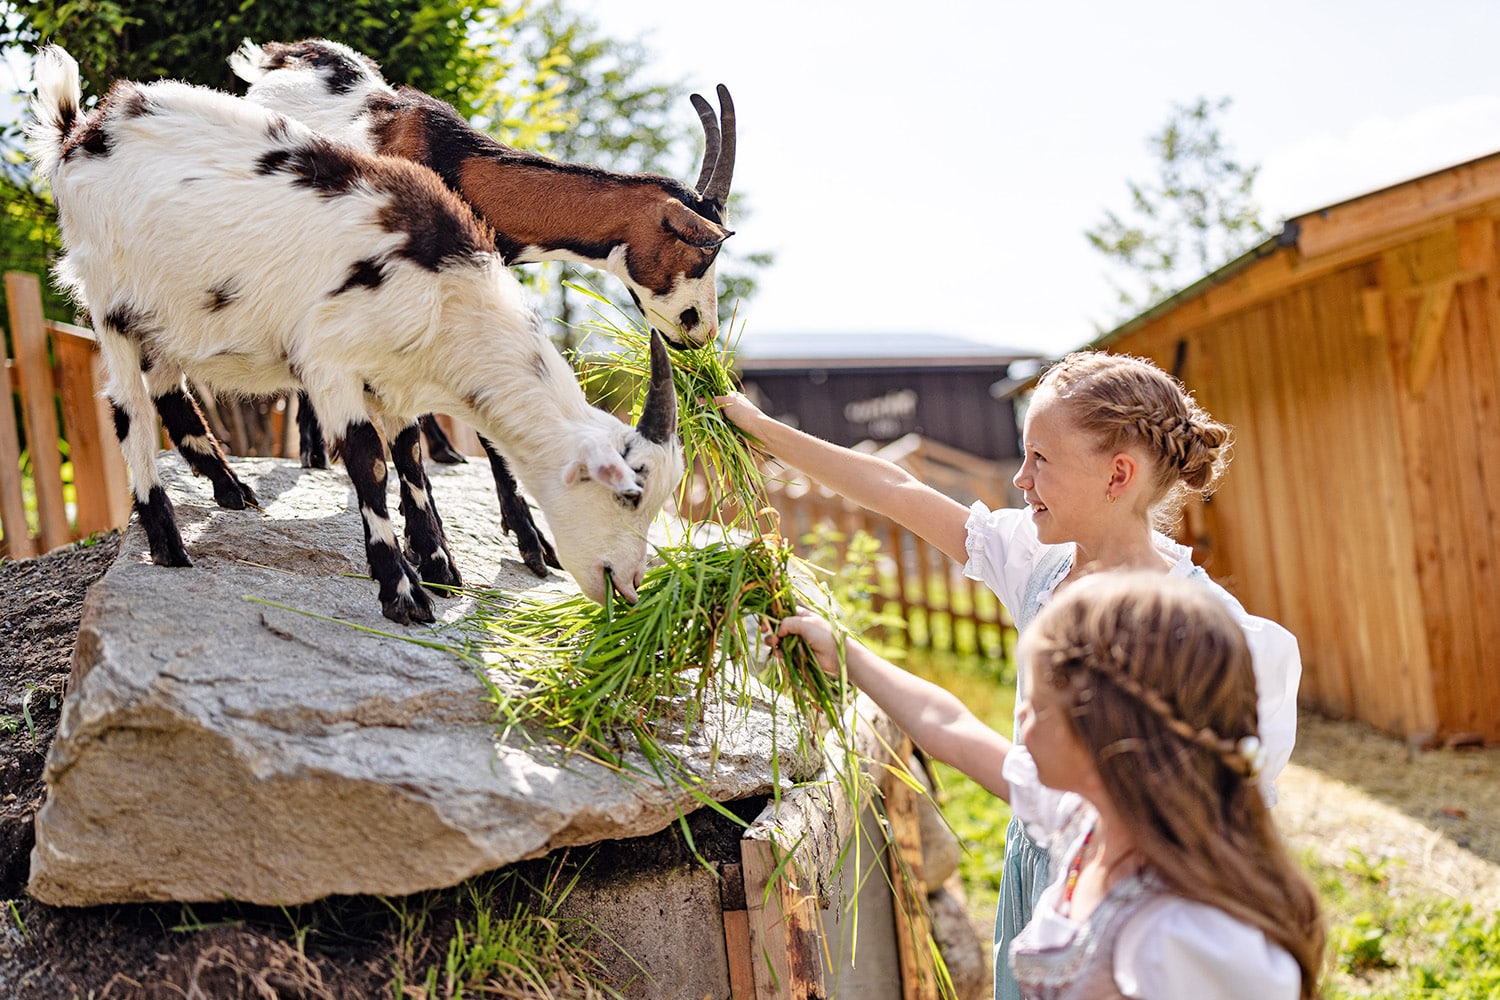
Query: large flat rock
(212,746)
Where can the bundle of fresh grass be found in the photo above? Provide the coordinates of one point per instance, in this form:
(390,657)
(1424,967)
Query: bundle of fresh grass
(610,676)
(724,483)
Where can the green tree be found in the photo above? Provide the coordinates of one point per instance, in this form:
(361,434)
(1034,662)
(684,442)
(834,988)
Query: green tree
(1199,214)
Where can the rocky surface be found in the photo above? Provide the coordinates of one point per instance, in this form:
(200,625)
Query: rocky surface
(216,743)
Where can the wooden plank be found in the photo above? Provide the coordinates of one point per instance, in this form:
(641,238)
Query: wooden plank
(29,335)
(781,916)
(1468,392)
(86,450)
(1372,311)
(919,979)
(1482,714)
(1413,203)
(18,540)
(790,854)
(1427,338)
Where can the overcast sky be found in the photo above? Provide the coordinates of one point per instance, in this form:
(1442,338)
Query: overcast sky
(931,165)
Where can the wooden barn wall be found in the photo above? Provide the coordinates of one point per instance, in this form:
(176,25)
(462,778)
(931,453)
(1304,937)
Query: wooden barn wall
(1444,340)
(1312,525)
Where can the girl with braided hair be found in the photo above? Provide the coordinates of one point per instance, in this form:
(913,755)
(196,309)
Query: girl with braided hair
(1113,446)
(1136,771)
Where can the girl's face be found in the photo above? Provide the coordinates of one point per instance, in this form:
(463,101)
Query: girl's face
(1062,760)
(1062,477)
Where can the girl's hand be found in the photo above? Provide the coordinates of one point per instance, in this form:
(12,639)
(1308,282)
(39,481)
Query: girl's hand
(738,410)
(817,632)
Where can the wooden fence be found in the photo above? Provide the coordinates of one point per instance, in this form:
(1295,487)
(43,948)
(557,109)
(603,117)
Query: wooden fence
(77,489)
(916,582)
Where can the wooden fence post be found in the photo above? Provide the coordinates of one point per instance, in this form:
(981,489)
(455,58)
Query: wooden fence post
(29,335)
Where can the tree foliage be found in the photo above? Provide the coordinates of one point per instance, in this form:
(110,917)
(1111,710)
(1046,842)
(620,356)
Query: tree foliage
(1199,213)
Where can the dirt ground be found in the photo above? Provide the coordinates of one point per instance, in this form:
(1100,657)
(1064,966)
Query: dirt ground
(1435,814)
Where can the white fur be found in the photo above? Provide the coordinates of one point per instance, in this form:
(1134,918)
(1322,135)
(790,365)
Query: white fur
(178,207)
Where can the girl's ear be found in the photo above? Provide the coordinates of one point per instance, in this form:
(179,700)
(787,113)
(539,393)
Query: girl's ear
(1123,471)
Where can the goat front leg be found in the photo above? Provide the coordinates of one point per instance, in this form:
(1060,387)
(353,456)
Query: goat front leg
(310,444)
(189,431)
(402,598)
(136,429)
(426,543)
(515,516)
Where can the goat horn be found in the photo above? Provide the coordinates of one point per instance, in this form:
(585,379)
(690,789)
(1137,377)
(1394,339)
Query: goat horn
(716,190)
(658,421)
(710,141)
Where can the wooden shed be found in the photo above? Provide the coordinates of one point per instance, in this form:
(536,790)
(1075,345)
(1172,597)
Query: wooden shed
(1357,355)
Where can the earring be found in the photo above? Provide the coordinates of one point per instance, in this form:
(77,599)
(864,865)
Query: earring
(1111,497)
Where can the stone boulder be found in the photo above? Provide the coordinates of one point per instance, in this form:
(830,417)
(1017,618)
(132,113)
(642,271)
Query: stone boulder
(216,745)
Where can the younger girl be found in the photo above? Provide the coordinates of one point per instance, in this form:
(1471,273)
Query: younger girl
(1136,772)
(1113,445)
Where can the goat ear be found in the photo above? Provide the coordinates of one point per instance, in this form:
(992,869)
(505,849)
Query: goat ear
(598,461)
(692,228)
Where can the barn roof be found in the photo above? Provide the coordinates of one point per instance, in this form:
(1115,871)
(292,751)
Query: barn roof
(1316,242)
(854,350)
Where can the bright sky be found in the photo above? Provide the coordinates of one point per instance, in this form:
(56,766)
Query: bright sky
(930,166)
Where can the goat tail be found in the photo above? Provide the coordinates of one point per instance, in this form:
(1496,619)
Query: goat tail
(248,61)
(55,108)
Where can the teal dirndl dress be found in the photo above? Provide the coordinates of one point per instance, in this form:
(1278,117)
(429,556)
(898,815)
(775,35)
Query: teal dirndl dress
(1027,868)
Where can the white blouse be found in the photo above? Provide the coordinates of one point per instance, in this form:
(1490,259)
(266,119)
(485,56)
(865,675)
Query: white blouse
(1170,949)
(1004,551)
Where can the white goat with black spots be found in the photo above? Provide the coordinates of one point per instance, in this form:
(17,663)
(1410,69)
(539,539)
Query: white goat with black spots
(211,237)
(659,237)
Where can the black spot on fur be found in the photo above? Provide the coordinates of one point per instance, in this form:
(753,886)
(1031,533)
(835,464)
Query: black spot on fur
(440,229)
(93,139)
(122,422)
(323,166)
(222,294)
(366,273)
(128,321)
(339,71)
(134,104)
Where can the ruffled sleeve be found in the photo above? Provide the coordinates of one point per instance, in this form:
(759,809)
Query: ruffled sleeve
(1278,671)
(1180,950)
(1003,550)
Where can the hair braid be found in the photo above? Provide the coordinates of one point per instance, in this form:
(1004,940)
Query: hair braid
(1123,400)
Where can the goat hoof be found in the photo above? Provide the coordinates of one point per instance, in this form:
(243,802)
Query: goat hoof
(438,570)
(535,561)
(446,455)
(315,460)
(234,495)
(406,609)
(170,554)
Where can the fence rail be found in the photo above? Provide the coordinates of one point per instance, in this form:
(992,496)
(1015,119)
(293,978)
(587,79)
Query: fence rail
(941,607)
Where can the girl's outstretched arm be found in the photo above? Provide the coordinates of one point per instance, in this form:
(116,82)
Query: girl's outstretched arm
(933,717)
(873,483)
